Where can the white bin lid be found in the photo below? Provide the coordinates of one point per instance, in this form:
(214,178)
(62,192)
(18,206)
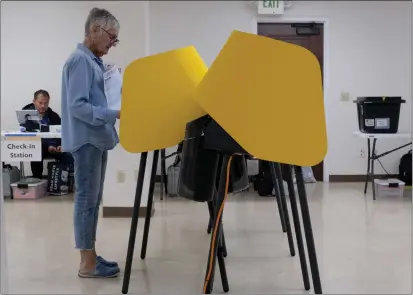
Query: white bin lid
(29,182)
(386,182)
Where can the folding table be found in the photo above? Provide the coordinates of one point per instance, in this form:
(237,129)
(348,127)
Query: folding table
(371,152)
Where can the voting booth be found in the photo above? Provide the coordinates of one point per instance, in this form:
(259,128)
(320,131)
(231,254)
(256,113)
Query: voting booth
(222,112)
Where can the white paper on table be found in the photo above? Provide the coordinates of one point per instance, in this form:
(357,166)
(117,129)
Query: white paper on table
(113,86)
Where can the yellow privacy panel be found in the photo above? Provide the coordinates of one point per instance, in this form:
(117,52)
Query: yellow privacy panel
(158,99)
(267,94)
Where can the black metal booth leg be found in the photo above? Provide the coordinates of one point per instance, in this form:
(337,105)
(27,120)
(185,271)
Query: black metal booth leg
(134,222)
(210,225)
(368,166)
(163,171)
(277,174)
(224,245)
(215,244)
(278,197)
(149,204)
(221,262)
(211,216)
(297,227)
(308,231)
(373,158)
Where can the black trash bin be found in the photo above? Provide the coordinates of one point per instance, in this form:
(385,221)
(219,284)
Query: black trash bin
(217,138)
(238,174)
(205,142)
(199,165)
(378,114)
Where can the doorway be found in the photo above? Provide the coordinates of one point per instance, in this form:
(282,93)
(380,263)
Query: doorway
(307,35)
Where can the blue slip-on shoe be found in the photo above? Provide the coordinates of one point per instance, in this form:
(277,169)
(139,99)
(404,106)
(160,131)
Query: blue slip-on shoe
(101,260)
(101,271)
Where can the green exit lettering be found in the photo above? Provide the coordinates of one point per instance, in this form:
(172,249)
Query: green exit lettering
(271,3)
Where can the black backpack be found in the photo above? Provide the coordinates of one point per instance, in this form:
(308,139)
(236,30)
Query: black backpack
(263,183)
(59,180)
(405,168)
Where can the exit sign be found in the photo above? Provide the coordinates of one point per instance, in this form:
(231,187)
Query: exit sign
(270,7)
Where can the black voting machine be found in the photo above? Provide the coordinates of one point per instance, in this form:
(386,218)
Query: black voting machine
(207,154)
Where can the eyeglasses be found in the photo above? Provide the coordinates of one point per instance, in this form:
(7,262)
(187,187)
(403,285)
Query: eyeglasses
(113,39)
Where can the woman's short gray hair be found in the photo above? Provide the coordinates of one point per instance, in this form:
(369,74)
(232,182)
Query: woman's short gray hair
(102,18)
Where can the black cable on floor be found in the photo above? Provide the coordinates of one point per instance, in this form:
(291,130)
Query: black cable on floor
(388,174)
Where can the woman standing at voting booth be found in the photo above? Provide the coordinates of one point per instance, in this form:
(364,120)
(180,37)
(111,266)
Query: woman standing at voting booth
(88,132)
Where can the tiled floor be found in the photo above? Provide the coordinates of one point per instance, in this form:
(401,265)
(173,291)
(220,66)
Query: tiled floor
(363,246)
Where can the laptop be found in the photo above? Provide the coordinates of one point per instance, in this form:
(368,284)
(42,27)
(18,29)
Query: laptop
(28,115)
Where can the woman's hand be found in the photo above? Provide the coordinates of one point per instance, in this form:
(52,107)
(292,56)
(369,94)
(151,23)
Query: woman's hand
(51,149)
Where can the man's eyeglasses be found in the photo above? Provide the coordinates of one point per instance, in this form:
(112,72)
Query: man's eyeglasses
(113,39)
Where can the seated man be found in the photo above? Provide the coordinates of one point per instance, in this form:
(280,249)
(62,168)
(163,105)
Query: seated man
(51,147)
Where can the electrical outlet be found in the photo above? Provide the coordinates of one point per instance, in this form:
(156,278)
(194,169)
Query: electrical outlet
(120,176)
(345,96)
(362,153)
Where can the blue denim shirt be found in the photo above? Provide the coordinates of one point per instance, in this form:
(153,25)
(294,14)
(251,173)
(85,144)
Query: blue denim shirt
(86,118)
